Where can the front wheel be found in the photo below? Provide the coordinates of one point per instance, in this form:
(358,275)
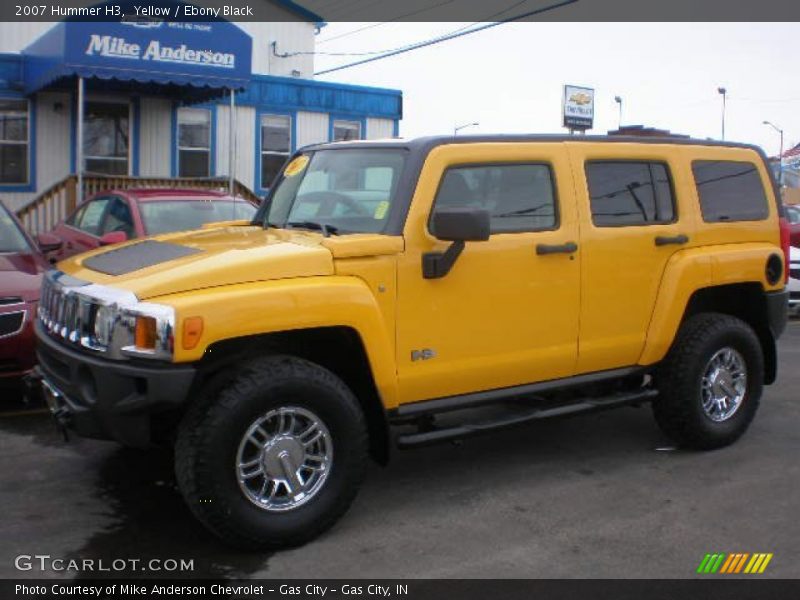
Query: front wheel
(276,457)
(710,383)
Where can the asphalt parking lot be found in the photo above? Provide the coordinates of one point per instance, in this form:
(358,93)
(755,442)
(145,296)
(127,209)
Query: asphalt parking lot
(601,495)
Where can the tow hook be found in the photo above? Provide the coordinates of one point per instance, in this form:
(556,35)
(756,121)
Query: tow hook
(55,402)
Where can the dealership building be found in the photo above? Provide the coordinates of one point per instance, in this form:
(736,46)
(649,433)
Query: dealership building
(152,100)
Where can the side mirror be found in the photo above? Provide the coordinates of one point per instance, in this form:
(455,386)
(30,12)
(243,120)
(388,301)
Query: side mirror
(457,225)
(113,237)
(49,242)
(461,224)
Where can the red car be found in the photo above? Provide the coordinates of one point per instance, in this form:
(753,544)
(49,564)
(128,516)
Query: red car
(113,216)
(793,216)
(22,262)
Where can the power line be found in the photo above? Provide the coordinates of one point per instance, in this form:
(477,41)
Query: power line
(450,36)
(405,46)
(372,26)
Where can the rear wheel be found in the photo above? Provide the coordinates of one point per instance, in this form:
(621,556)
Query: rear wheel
(710,383)
(276,457)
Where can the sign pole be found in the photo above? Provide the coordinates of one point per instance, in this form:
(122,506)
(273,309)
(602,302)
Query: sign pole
(232,146)
(79,142)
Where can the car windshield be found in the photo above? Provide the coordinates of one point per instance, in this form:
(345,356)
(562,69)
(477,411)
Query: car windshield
(166,216)
(11,238)
(345,190)
(793,214)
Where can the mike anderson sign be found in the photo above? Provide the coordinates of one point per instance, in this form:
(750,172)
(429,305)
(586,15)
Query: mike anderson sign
(214,54)
(155,50)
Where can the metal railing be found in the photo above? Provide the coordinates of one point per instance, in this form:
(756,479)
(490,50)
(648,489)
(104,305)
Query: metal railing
(59,200)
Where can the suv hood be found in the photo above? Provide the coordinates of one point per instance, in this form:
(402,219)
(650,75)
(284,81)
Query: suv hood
(173,263)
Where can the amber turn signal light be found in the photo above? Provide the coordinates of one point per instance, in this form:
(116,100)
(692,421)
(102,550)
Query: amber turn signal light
(192,330)
(145,333)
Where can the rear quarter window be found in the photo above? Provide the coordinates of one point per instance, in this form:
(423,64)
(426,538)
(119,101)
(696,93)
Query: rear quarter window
(730,191)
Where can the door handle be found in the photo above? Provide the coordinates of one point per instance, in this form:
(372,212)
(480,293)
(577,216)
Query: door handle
(662,240)
(568,248)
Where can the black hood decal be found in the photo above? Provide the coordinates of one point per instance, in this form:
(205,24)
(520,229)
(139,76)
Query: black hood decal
(137,256)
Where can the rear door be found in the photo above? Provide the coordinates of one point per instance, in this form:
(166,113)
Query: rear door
(631,224)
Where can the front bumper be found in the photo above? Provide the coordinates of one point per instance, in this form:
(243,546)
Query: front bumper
(104,399)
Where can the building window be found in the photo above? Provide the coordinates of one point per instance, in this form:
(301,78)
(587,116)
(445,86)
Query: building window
(13,141)
(194,142)
(106,138)
(629,193)
(344,131)
(276,143)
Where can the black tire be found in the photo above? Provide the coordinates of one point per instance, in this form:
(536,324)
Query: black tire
(209,438)
(678,409)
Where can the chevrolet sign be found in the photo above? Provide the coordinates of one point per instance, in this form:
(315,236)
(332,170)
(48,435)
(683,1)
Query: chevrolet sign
(578,107)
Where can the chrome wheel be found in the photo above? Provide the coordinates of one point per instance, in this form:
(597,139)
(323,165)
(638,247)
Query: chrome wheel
(724,384)
(284,459)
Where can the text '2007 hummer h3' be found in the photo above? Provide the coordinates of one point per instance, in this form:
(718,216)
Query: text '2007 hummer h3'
(388,292)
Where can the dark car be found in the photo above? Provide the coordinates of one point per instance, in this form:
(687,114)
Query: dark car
(793,216)
(113,216)
(22,262)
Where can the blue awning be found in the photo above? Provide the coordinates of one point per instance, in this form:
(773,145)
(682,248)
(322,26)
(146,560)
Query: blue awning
(195,60)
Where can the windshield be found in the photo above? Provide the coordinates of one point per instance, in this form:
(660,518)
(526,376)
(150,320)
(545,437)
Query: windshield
(182,215)
(346,190)
(11,238)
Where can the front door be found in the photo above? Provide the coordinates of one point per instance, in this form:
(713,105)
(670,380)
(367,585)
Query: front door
(507,312)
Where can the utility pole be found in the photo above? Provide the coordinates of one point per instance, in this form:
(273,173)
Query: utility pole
(618,100)
(780,154)
(724,93)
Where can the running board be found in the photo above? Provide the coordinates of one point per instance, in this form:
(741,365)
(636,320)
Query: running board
(452,403)
(424,438)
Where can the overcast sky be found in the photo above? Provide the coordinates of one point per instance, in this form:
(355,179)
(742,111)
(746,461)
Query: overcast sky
(509,78)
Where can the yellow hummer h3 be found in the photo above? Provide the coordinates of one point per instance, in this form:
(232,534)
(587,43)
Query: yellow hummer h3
(388,292)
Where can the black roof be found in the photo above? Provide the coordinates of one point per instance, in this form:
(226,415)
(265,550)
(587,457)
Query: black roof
(428,142)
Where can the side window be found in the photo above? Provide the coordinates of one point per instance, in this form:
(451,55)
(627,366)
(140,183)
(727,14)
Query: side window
(91,216)
(519,197)
(729,191)
(118,218)
(628,193)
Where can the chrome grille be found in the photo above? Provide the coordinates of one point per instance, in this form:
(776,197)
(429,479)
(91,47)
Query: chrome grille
(68,308)
(64,312)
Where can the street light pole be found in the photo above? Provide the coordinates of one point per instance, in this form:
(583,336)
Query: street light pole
(724,94)
(618,100)
(458,128)
(780,154)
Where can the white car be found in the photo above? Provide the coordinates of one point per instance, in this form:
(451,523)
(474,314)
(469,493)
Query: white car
(794,281)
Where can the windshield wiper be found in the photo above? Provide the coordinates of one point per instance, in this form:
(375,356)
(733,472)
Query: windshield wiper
(326,229)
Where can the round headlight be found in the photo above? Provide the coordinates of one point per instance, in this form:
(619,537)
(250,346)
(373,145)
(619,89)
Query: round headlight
(103,325)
